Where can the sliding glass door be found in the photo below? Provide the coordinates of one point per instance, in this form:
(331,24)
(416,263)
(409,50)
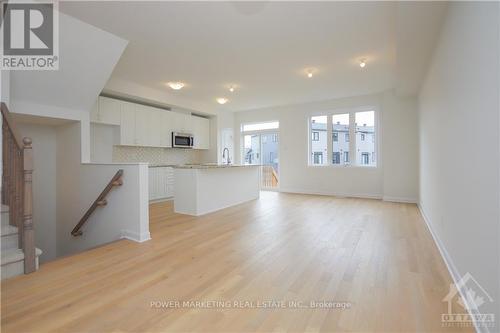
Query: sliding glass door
(263,149)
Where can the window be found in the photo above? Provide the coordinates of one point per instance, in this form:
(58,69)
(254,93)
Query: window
(336,157)
(365,125)
(260,126)
(331,142)
(340,124)
(275,137)
(318,158)
(318,144)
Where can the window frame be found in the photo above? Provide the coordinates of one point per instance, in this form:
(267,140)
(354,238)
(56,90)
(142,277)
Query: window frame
(353,162)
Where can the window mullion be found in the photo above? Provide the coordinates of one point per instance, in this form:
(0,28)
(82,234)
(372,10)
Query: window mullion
(329,140)
(352,139)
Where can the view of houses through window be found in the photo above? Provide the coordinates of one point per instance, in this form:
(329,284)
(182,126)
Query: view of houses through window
(318,140)
(261,147)
(362,124)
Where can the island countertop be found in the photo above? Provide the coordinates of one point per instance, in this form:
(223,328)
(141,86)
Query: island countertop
(211,166)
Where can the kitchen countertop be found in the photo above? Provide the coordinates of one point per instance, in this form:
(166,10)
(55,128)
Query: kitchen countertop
(211,166)
(199,166)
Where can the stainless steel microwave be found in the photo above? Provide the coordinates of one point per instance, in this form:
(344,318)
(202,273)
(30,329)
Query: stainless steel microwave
(182,140)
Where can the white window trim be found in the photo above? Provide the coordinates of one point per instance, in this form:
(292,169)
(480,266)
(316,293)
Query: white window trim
(352,137)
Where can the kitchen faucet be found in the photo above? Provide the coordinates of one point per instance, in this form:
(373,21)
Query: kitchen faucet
(228,160)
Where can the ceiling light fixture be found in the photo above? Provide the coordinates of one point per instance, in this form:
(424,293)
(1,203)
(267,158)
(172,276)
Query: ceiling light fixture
(309,73)
(231,88)
(222,100)
(362,63)
(176,85)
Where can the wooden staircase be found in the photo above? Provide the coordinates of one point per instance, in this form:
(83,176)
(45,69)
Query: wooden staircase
(19,254)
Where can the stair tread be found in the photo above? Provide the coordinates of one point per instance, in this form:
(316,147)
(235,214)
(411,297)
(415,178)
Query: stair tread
(7,230)
(15,255)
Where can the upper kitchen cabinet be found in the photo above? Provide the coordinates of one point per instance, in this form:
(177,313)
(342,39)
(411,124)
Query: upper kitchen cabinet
(167,127)
(182,123)
(106,111)
(147,126)
(127,124)
(201,132)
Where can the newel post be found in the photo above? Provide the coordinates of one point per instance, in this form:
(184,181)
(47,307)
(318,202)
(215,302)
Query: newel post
(28,232)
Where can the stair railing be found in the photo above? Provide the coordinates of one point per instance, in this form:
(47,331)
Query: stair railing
(17,189)
(100,201)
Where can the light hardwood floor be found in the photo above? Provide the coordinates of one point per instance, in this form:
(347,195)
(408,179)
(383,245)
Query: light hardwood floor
(376,255)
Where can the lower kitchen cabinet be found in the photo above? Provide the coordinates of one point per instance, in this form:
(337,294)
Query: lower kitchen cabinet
(161,183)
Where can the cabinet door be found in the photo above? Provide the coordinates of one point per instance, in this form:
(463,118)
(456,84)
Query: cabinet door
(201,131)
(109,111)
(142,123)
(178,121)
(127,124)
(170,182)
(153,181)
(166,125)
(155,127)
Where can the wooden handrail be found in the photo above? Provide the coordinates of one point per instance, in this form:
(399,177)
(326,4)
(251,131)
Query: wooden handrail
(11,125)
(17,189)
(100,201)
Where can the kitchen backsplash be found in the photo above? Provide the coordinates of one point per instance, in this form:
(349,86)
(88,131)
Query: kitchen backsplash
(153,155)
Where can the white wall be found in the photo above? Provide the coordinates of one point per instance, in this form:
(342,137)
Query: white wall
(78,185)
(5,87)
(297,176)
(459,144)
(400,147)
(44,187)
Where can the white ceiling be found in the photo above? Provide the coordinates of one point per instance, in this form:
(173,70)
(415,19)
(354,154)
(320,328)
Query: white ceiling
(263,47)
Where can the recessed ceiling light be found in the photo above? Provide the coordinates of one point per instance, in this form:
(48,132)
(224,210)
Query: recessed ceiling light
(362,63)
(231,88)
(176,85)
(222,100)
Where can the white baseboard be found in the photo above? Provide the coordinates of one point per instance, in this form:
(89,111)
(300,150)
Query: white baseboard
(400,199)
(135,236)
(331,193)
(452,269)
(161,200)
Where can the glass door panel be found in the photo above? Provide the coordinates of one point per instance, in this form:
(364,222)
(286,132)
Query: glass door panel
(251,149)
(270,160)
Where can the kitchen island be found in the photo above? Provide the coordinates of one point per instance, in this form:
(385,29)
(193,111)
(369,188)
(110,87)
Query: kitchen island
(205,188)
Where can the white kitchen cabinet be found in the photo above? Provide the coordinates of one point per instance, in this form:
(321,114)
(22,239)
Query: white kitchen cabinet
(182,123)
(167,121)
(201,132)
(161,183)
(127,124)
(143,120)
(155,127)
(109,111)
(148,126)
(106,111)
